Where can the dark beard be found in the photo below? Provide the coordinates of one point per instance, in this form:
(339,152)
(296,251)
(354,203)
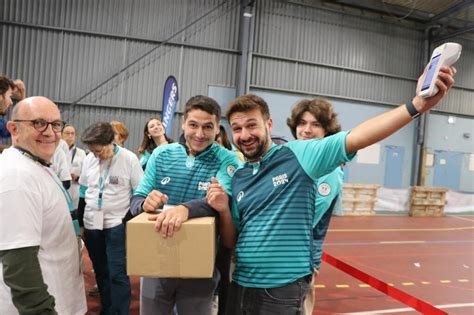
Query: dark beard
(259,151)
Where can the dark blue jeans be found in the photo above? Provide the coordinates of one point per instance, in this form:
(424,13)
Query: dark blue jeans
(284,300)
(107,251)
(223,259)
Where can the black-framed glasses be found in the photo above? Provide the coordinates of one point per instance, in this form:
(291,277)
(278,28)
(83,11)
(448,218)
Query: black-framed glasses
(41,125)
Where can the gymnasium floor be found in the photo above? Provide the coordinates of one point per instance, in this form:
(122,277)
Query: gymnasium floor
(431,259)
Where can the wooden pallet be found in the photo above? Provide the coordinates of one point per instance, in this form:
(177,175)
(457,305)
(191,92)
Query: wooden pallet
(359,199)
(427,201)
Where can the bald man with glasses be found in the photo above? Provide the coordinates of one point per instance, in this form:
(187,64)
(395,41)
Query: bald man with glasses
(39,260)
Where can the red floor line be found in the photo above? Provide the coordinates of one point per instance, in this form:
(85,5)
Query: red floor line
(408,230)
(407,254)
(366,267)
(383,287)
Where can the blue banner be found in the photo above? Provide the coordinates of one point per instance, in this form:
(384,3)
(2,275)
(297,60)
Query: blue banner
(170,99)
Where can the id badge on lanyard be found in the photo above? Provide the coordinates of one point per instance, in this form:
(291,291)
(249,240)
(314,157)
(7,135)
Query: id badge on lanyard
(67,195)
(70,204)
(102,184)
(99,215)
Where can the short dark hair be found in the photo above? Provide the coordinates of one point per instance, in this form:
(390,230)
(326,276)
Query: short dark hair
(5,84)
(248,102)
(99,133)
(321,109)
(203,103)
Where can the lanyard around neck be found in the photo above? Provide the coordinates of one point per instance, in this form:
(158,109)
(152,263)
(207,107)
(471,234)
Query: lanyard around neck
(33,157)
(103,179)
(58,182)
(67,195)
(73,154)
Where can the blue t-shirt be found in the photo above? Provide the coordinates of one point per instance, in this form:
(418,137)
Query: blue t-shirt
(4,133)
(273,210)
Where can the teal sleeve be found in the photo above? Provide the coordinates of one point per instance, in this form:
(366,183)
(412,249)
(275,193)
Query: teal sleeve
(229,164)
(144,158)
(327,188)
(22,274)
(82,191)
(328,191)
(147,184)
(319,157)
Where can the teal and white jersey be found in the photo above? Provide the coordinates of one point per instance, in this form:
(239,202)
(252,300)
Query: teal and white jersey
(273,210)
(327,188)
(144,157)
(183,177)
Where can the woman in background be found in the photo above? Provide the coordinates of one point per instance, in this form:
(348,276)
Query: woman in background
(153,136)
(222,138)
(76,157)
(109,175)
(120,131)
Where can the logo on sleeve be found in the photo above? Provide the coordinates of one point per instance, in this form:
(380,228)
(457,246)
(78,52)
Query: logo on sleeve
(203,186)
(324,189)
(280,180)
(240,196)
(230,170)
(190,161)
(165,180)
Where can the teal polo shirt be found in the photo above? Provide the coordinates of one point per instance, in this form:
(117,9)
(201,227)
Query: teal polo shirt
(183,177)
(273,210)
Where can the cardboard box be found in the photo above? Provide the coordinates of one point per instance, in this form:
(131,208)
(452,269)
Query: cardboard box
(189,253)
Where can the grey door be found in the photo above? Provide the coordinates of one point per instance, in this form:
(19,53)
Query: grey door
(447,169)
(393,166)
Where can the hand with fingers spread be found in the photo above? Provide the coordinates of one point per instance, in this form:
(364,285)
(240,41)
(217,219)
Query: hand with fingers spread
(217,198)
(169,221)
(154,200)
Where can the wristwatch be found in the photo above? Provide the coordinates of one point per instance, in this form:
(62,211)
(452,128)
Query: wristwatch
(412,110)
